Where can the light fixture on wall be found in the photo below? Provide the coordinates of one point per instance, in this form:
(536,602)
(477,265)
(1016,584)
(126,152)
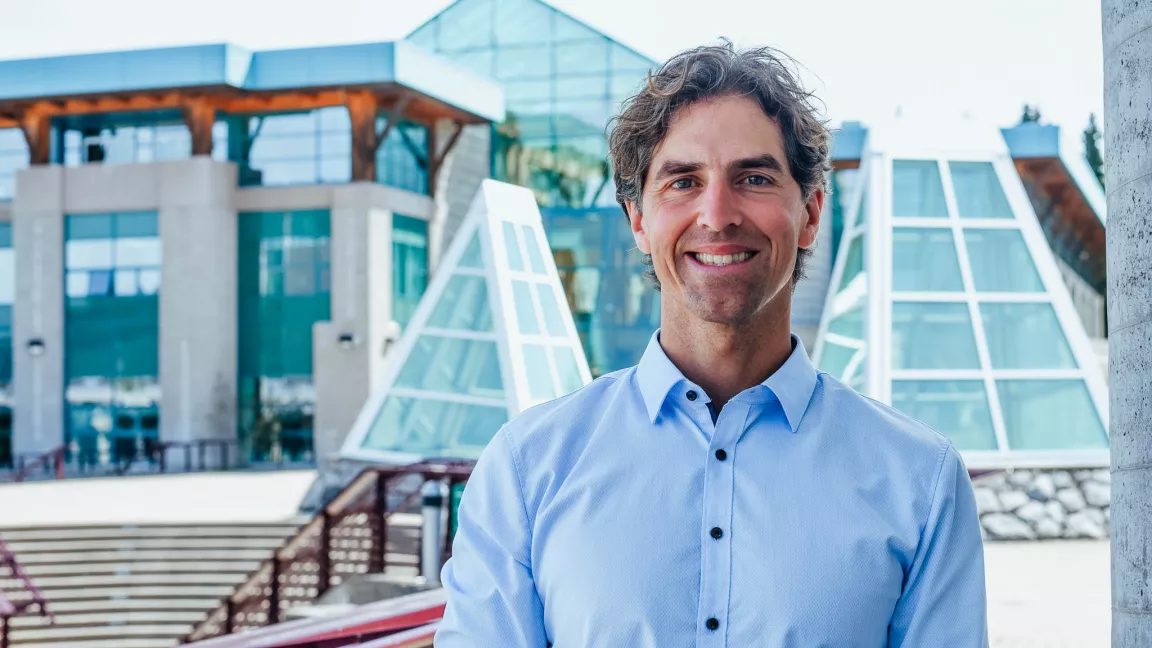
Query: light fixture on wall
(35,347)
(346,341)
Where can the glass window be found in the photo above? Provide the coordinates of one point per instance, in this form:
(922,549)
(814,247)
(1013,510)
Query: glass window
(400,160)
(1050,415)
(917,190)
(978,191)
(434,428)
(854,263)
(536,260)
(583,57)
(464,305)
(849,324)
(7,273)
(933,336)
(1001,262)
(925,260)
(835,358)
(530,62)
(471,257)
(567,369)
(519,22)
(89,253)
(515,257)
(539,375)
(454,365)
(957,408)
(553,321)
(409,266)
(1025,336)
(525,311)
(13,157)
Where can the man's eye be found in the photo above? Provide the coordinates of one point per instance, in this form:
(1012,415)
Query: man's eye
(758,180)
(682,183)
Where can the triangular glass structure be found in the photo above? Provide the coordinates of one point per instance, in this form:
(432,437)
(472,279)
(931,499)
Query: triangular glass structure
(946,302)
(492,336)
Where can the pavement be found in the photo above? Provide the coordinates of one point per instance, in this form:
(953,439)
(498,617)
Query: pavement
(1053,594)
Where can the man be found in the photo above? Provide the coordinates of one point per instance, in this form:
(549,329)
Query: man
(722,492)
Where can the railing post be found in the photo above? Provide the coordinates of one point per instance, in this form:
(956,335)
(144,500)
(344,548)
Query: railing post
(431,552)
(378,561)
(162,450)
(446,549)
(59,457)
(223,455)
(274,592)
(4,632)
(187,457)
(203,462)
(230,611)
(324,575)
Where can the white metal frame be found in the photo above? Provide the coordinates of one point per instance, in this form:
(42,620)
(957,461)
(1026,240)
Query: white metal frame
(876,169)
(495,203)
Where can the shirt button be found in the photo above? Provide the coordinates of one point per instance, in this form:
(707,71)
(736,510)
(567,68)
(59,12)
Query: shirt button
(712,623)
(691,395)
(721,455)
(717,532)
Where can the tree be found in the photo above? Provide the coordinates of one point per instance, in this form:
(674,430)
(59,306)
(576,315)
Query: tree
(1031,115)
(1092,148)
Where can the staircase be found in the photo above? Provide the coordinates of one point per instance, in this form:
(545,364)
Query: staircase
(134,586)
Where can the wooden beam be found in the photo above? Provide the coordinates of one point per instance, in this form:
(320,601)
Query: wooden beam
(36,122)
(393,117)
(199,117)
(363,107)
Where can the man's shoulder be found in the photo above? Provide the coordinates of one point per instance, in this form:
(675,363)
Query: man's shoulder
(876,425)
(574,411)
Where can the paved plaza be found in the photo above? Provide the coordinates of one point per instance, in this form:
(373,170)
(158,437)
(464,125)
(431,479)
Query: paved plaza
(1048,594)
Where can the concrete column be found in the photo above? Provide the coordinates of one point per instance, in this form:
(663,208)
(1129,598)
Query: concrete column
(38,310)
(198,299)
(1127,27)
(345,349)
(460,176)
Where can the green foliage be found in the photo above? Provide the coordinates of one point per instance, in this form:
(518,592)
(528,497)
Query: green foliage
(1031,114)
(1092,152)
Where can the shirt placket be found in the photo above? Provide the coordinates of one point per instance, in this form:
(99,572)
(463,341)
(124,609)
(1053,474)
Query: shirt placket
(716,525)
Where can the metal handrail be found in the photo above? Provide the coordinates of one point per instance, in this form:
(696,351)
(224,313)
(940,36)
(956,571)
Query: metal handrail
(199,455)
(9,608)
(348,536)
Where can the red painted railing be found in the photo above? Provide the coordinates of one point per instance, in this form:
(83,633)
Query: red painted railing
(157,458)
(18,595)
(349,536)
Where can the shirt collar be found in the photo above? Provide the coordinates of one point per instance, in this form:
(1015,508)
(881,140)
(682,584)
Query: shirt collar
(792,384)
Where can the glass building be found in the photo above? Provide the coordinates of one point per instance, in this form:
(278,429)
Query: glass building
(7,297)
(111,334)
(947,302)
(490,339)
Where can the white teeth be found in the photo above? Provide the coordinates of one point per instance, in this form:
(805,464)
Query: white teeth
(722,259)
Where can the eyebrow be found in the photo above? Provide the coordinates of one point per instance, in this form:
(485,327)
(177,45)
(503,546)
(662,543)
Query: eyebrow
(767,162)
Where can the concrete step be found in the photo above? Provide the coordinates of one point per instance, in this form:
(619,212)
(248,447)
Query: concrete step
(225,569)
(25,534)
(85,606)
(163,592)
(32,635)
(113,618)
(120,642)
(190,554)
(51,585)
(21,548)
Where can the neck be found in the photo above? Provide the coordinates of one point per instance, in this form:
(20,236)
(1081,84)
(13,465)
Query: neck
(726,359)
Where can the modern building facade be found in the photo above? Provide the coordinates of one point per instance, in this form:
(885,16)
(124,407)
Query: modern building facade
(206,242)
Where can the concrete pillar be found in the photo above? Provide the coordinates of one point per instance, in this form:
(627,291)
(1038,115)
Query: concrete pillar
(198,299)
(1127,27)
(347,351)
(38,310)
(460,176)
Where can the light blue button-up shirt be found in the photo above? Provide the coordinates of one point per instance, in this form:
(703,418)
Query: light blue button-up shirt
(611,518)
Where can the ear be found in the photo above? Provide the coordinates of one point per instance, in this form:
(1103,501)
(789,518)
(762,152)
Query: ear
(811,226)
(636,220)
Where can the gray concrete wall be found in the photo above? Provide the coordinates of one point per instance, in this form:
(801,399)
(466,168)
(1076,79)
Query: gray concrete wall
(1089,303)
(198,300)
(5,211)
(468,165)
(1127,26)
(38,310)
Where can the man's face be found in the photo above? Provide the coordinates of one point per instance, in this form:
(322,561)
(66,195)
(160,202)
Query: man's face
(721,214)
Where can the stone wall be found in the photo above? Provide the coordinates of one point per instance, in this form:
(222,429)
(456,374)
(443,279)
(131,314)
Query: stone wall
(1044,504)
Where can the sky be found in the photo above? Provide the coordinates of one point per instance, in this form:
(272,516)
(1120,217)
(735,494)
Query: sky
(868,60)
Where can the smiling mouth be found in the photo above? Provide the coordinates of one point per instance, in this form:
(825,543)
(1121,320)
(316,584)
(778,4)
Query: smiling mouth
(722,259)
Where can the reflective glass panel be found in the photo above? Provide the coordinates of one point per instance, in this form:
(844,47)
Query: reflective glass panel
(917,190)
(434,428)
(854,263)
(409,266)
(539,375)
(551,308)
(535,259)
(933,336)
(515,258)
(525,311)
(849,324)
(957,408)
(1001,262)
(567,369)
(1025,336)
(471,257)
(978,191)
(464,305)
(454,365)
(835,358)
(925,260)
(1050,415)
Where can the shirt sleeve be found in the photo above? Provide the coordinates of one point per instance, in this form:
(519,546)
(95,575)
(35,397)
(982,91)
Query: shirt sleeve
(492,598)
(944,601)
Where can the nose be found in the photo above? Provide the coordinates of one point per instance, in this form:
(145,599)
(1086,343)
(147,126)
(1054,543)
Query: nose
(718,209)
